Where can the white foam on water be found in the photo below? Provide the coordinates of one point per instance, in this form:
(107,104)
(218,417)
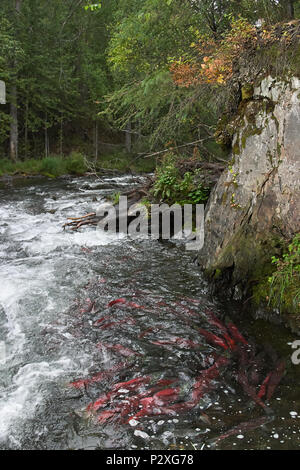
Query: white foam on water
(35,257)
(23,400)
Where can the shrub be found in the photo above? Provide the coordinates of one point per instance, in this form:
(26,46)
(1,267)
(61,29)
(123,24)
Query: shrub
(52,166)
(172,187)
(75,164)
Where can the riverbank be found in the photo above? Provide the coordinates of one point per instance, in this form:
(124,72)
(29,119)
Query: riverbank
(76,164)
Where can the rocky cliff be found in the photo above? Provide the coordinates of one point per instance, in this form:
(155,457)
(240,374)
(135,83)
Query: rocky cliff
(254,207)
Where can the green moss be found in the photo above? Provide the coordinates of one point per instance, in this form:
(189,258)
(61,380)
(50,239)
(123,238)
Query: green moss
(250,257)
(224,198)
(217,274)
(279,150)
(268,106)
(247,91)
(276,121)
(260,293)
(249,132)
(236,148)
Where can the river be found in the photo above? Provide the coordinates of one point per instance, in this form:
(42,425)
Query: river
(65,342)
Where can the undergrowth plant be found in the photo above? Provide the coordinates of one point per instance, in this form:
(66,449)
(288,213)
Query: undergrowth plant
(285,281)
(172,187)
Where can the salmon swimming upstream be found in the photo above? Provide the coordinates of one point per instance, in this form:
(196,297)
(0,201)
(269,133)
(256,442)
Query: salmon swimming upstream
(124,302)
(118,348)
(146,395)
(213,339)
(183,343)
(242,429)
(99,376)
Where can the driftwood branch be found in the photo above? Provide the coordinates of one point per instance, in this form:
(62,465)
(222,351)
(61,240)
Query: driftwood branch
(76,222)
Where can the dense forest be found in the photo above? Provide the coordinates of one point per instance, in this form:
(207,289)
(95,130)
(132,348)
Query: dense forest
(150,227)
(120,76)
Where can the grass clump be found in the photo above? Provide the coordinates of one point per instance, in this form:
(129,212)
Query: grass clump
(75,164)
(51,167)
(284,284)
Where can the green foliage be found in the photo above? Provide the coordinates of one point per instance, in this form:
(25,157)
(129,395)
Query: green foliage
(50,166)
(115,198)
(285,281)
(78,63)
(93,6)
(75,164)
(171,187)
(199,195)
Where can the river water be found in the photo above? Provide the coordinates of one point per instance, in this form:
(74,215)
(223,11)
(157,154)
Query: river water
(163,383)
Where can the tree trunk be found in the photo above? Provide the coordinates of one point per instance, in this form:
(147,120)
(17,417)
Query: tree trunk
(96,141)
(46,138)
(14,106)
(13,124)
(26,129)
(128,137)
(290,9)
(61,135)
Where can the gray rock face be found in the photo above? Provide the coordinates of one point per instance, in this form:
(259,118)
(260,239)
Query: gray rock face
(256,201)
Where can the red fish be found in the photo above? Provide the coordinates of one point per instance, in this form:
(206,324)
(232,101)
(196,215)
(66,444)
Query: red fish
(146,332)
(152,405)
(98,403)
(134,305)
(236,334)
(203,382)
(117,301)
(133,383)
(185,343)
(250,390)
(129,321)
(263,387)
(101,320)
(105,416)
(108,397)
(119,348)
(85,249)
(89,307)
(191,312)
(165,382)
(242,428)
(213,320)
(166,395)
(213,339)
(275,378)
(100,376)
(124,302)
